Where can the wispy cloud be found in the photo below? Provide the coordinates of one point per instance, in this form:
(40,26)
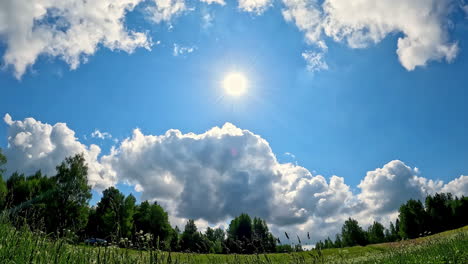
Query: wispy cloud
(100,135)
(179,50)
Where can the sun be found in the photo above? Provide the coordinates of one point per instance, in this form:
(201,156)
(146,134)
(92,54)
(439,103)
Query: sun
(235,84)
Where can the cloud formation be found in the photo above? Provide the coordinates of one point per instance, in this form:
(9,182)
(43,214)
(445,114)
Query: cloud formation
(179,50)
(422,24)
(254,6)
(33,145)
(223,172)
(73,30)
(70,30)
(165,10)
(100,135)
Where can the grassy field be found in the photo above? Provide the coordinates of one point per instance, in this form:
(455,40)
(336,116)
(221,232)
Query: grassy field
(23,246)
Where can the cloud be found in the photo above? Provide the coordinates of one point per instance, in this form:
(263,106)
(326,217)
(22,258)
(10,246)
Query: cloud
(181,50)
(457,187)
(74,30)
(165,10)
(33,145)
(100,135)
(70,30)
(219,2)
(216,175)
(385,189)
(254,6)
(423,25)
(314,61)
(307,16)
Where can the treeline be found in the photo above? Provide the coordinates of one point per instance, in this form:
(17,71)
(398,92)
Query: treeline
(58,206)
(439,213)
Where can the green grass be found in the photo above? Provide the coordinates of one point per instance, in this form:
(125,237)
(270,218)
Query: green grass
(24,246)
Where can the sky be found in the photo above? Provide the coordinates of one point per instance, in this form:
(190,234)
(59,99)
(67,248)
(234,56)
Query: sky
(350,109)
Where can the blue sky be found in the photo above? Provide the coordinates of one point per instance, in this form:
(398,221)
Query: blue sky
(362,112)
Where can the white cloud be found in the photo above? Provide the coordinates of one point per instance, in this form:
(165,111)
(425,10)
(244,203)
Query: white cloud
(179,50)
(422,23)
(165,10)
(457,187)
(71,30)
(219,2)
(100,135)
(33,146)
(307,17)
(385,189)
(254,6)
(314,61)
(223,172)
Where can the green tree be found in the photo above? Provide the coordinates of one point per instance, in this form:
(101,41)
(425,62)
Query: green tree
(128,211)
(263,240)
(352,234)
(240,233)
(154,220)
(439,212)
(338,243)
(375,233)
(412,219)
(192,240)
(460,211)
(3,187)
(68,205)
(110,214)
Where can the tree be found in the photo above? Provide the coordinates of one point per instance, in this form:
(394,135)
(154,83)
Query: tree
(128,210)
(263,240)
(412,219)
(110,214)
(338,243)
(154,220)
(141,218)
(393,232)
(3,187)
(192,240)
(352,234)
(439,212)
(375,233)
(68,206)
(460,211)
(240,233)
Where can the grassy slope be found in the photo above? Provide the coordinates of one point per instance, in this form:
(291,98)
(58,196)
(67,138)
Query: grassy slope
(26,247)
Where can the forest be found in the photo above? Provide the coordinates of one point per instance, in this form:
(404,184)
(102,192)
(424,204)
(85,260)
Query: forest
(59,206)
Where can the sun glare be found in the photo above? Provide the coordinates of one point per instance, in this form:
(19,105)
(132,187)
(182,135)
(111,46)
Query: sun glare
(235,84)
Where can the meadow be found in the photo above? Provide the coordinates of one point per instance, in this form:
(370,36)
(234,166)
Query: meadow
(25,246)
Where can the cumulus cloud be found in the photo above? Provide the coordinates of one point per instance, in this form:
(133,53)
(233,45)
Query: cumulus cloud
(225,171)
(423,25)
(71,30)
(33,145)
(254,6)
(384,189)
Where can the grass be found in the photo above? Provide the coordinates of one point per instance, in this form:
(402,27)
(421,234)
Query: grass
(24,246)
